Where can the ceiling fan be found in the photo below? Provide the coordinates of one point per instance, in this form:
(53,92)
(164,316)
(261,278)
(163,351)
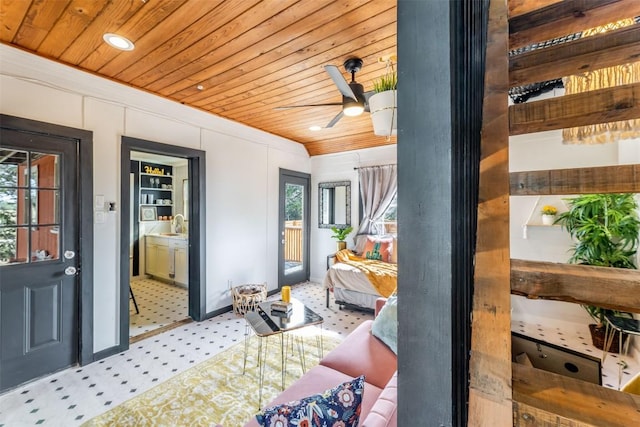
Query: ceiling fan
(354,99)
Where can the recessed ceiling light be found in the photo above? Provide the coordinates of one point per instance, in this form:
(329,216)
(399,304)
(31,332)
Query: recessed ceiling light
(200,87)
(118,42)
(314,128)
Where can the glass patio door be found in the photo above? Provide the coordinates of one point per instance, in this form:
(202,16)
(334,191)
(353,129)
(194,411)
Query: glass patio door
(293,254)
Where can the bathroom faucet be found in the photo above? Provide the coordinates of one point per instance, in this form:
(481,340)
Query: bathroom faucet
(178,227)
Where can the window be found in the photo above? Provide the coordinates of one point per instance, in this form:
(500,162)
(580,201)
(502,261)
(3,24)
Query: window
(390,217)
(389,222)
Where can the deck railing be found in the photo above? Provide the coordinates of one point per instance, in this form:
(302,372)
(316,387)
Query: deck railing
(293,241)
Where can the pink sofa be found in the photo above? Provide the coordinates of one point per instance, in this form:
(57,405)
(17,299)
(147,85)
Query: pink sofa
(359,354)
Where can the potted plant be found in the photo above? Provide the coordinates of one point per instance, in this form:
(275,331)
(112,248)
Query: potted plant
(383,103)
(549,214)
(606,228)
(341,234)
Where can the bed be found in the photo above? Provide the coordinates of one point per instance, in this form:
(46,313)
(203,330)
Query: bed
(358,282)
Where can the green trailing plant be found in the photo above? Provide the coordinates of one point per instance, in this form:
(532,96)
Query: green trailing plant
(606,229)
(389,81)
(341,233)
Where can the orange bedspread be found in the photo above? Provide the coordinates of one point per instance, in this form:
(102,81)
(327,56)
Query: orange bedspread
(382,275)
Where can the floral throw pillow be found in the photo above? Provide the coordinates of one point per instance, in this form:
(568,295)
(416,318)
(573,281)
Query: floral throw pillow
(336,407)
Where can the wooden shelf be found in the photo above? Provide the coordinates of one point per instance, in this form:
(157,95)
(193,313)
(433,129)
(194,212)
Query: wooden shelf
(158,193)
(155,189)
(587,108)
(608,287)
(541,398)
(535,216)
(606,179)
(156,175)
(578,56)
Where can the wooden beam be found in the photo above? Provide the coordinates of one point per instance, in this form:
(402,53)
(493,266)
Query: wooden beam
(521,7)
(597,106)
(573,23)
(614,288)
(545,399)
(586,54)
(605,179)
(490,357)
(551,12)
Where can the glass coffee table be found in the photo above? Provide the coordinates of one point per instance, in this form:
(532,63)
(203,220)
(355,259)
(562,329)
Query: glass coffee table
(266,323)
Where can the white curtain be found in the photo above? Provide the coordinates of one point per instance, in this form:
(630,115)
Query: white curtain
(378,187)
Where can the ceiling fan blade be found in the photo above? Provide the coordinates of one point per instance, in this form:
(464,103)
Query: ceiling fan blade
(339,81)
(335,120)
(286,107)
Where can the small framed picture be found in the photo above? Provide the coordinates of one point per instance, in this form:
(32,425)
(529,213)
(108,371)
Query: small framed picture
(148,213)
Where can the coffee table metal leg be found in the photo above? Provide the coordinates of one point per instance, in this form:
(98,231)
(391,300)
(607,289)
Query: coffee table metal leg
(246,346)
(261,366)
(300,343)
(282,359)
(319,346)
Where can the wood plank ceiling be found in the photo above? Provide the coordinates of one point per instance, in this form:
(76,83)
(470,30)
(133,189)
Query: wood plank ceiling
(249,56)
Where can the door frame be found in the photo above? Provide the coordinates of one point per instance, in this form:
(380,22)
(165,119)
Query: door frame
(84,147)
(197,230)
(306,221)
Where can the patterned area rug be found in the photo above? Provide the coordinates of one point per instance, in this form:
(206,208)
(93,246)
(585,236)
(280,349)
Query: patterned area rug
(217,391)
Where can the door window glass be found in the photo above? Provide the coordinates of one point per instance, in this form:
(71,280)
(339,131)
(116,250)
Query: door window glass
(29,206)
(293,228)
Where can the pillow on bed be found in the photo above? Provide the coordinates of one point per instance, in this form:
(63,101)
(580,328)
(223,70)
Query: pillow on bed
(360,240)
(393,258)
(384,248)
(385,325)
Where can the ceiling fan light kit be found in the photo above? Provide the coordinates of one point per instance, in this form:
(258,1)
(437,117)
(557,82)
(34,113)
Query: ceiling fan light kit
(354,98)
(352,108)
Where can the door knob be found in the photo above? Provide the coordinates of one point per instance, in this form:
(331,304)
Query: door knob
(70,271)
(69,254)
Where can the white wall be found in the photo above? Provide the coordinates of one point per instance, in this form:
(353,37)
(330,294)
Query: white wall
(339,167)
(241,184)
(545,151)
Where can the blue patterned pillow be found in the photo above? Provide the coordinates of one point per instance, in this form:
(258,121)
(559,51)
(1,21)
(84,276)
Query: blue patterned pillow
(339,406)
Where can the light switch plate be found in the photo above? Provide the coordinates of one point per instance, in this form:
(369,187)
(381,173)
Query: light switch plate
(100,201)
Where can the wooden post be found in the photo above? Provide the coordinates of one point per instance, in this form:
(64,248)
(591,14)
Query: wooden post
(490,364)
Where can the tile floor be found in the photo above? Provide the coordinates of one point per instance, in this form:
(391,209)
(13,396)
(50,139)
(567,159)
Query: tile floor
(73,396)
(576,336)
(160,304)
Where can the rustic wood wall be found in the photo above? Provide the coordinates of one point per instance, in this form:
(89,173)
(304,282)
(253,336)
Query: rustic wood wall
(540,398)
(490,365)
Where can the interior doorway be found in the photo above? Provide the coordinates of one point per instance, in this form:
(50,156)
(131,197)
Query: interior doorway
(158,243)
(162,196)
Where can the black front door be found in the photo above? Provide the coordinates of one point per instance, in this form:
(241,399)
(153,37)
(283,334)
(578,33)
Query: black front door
(38,256)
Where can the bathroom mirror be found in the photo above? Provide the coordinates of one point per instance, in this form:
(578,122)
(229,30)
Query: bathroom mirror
(334,201)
